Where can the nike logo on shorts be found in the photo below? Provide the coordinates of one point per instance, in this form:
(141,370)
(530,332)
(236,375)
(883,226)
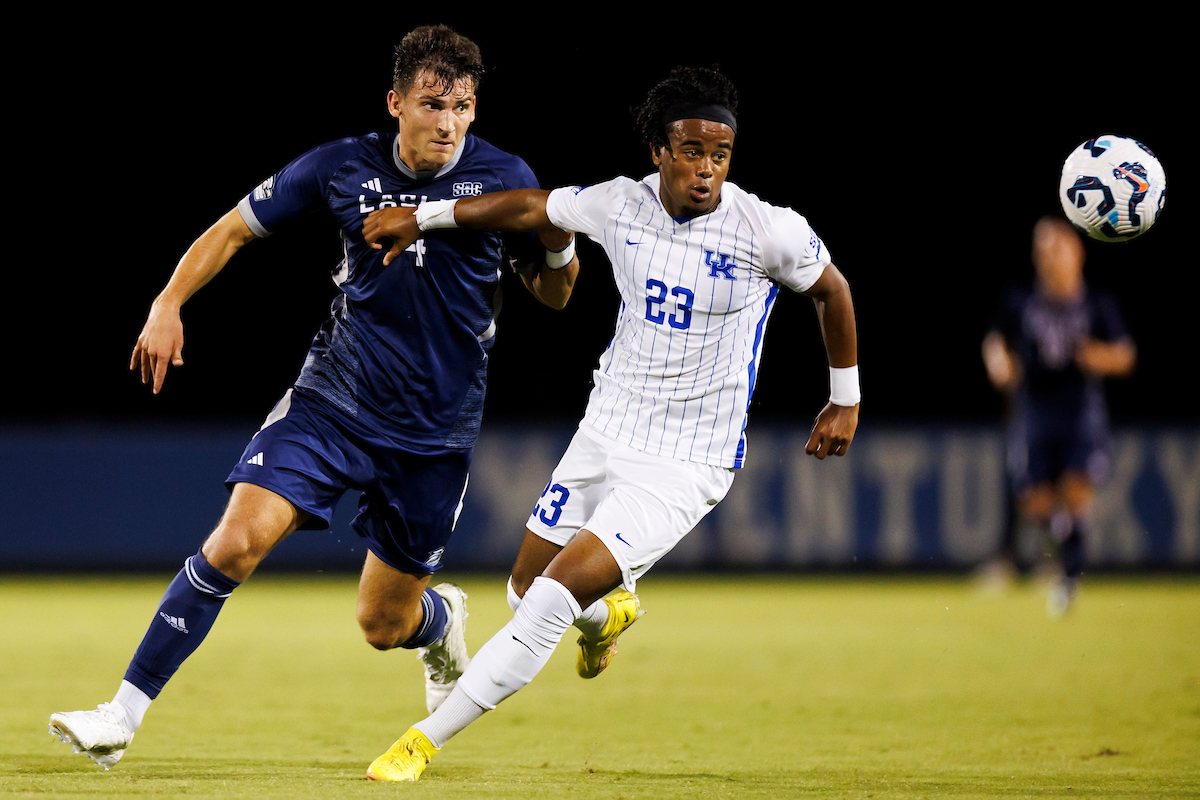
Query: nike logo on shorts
(622,538)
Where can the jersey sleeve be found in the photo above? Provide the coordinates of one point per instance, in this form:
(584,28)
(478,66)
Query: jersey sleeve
(793,254)
(295,190)
(582,209)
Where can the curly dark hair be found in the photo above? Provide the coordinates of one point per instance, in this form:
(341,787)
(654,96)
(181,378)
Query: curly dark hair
(698,85)
(440,52)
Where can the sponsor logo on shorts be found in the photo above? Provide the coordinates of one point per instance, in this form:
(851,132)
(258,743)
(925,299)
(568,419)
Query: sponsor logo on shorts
(622,538)
(435,557)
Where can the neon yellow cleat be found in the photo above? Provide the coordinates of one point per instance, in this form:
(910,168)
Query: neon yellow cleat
(623,610)
(405,760)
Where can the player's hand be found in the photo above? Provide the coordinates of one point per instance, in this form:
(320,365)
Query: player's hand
(833,431)
(159,346)
(397,224)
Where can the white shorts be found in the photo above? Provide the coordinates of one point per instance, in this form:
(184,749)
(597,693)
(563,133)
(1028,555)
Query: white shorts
(639,505)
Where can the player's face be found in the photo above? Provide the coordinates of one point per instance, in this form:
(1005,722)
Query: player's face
(1058,256)
(693,168)
(432,124)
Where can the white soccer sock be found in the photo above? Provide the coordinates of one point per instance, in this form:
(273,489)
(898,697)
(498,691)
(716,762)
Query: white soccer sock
(593,618)
(512,657)
(456,712)
(135,702)
(590,622)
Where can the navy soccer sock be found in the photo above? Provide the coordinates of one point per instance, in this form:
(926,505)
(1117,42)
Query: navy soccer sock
(1071,554)
(433,621)
(184,617)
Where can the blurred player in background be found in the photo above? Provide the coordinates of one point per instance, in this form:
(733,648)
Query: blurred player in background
(1050,347)
(389,399)
(698,263)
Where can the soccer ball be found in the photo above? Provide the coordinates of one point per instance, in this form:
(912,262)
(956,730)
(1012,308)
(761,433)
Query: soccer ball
(1112,188)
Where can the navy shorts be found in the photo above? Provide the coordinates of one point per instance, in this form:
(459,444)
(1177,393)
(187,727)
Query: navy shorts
(310,453)
(1042,447)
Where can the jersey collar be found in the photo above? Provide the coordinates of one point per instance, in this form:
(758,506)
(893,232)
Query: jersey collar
(425,175)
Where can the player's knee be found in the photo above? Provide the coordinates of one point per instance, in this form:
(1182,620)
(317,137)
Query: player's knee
(233,552)
(514,598)
(384,632)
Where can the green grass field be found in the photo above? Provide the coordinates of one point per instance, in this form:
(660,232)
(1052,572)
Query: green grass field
(746,687)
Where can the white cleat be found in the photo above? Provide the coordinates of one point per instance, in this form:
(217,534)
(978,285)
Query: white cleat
(446,659)
(102,735)
(1061,598)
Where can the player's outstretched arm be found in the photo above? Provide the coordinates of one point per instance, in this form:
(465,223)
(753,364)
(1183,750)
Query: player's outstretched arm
(160,344)
(514,210)
(835,425)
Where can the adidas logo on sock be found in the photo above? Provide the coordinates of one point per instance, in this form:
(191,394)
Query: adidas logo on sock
(256,460)
(175,622)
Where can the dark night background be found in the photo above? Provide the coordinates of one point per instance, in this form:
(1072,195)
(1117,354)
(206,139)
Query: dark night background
(922,160)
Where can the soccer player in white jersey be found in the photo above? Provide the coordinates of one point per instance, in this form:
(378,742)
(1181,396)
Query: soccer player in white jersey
(698,262)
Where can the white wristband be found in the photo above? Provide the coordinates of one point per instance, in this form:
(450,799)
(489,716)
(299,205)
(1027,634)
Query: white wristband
(843,386)
(436,214)
(562,257)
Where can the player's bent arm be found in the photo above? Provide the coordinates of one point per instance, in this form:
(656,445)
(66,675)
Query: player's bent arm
(552,287)
(160,343)
(835,426)
(835,311)
(1107,359)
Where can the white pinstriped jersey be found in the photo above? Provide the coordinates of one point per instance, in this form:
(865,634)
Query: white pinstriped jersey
(676,379)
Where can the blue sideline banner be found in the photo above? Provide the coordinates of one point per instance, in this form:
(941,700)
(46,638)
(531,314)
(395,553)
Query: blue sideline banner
(144,497)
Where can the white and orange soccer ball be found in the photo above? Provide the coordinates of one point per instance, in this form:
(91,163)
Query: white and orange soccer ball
(1112,188)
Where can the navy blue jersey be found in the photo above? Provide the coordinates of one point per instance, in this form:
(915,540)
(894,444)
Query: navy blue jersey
(404,350)
(1045,334)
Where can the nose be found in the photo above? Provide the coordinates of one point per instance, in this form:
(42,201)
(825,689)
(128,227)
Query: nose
(445,123)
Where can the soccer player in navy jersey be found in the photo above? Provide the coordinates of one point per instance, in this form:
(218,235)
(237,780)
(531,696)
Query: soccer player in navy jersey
(389,398)
(1050,348)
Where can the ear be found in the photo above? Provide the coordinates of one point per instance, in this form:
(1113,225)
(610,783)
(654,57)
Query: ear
(656,154)
(393,103)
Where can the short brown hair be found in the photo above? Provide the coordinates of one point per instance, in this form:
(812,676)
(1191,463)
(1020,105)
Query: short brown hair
(438,51)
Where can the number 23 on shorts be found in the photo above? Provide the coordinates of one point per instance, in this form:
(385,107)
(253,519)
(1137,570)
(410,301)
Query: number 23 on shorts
(549,507)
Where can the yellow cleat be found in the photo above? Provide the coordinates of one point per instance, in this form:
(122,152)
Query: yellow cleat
(405,760)
(623,610)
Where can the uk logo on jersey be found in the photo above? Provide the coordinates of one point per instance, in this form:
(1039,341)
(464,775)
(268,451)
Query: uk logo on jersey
(720,265)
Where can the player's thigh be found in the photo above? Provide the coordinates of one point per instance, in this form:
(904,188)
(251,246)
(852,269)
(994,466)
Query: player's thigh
(586,568)
(254,522)
(389,598)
